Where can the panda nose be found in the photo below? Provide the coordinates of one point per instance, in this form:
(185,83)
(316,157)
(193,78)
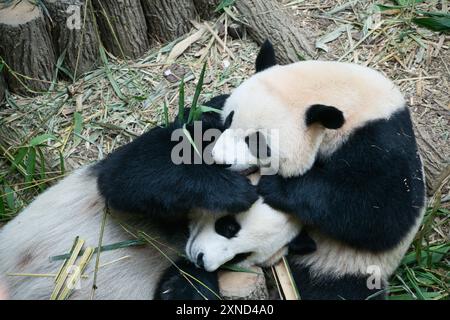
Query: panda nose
(200,263)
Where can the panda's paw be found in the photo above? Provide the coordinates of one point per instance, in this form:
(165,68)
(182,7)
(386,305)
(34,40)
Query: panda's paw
(176,286)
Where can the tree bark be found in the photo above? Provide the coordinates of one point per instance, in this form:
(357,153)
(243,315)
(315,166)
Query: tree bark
(26,47)
(266,19)
(74,33)
(243,285)
(122,27)
(205,8)
(168,19)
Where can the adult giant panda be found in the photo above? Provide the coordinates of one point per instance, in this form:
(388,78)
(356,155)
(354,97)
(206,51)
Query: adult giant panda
(146,192)
(349,168)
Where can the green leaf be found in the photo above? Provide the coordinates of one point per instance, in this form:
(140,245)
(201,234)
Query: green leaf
(19,158)
(166,114)
(205,109)
(41,139)
(384,7)
(77,127)
(224,4)
(435,23)
(2,203)
(10,199)
(406,3)
(181,102)
(61,163)
(193,114)
(31,165)
(42,169)
(437,254)
(235,268)
(191,141)
(109,75)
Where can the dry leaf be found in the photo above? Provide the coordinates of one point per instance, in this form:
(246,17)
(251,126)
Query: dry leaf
(181,46)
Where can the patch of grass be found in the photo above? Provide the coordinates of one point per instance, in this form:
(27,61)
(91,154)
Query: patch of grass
(425,270)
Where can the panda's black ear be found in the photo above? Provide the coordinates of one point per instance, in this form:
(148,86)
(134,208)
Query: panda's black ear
(329,117)
(266,57)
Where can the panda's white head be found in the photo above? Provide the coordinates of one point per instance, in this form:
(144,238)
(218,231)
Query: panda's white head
(255,237)
(299,111)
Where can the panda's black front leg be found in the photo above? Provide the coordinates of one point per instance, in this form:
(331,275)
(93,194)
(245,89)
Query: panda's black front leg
(197,285)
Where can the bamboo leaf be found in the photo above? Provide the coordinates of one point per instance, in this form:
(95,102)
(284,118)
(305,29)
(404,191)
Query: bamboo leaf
(77,127)
(193,114)
(205,109)
(224,4)
(61,162)
(10,199)
(191,141)
(42,174)
(31,165)
(435,23)
(41,139)
(181,102)
(18,159)
(109,75)
(166,114)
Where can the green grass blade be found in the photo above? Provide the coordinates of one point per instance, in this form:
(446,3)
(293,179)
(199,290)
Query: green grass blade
(109,75)
(77,127)
(198,89)
(61,162)
(19,157)
(10,199)
(41,139)
(42,174)
(181,102)
(31,165)
(166,114)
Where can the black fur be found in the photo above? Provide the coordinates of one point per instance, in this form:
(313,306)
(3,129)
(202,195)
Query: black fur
(348,287)
(329,117)
(367,194)
(227,226)
(174,286)
(302,244)
(140,177)
(228,120)
(266,57)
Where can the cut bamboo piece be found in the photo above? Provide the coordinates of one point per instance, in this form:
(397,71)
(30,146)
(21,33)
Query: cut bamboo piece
(284,279)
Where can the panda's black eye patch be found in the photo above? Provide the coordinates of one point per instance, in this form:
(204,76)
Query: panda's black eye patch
(228,120)
(258,146)
(227,226)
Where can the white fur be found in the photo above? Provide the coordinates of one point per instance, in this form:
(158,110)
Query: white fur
(264,232)
(336,259)
(277,99)
(48,227)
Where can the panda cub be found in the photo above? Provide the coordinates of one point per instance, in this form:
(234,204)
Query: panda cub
(347,167)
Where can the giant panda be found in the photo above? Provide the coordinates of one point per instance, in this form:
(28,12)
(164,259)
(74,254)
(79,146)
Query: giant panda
(347,167)
(142,190)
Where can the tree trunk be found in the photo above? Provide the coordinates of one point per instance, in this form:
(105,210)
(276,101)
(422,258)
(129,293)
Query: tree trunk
(122,27)
(243,285)
(205,8)
(74,32)
(266,19)
(168,19)
(26,47)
